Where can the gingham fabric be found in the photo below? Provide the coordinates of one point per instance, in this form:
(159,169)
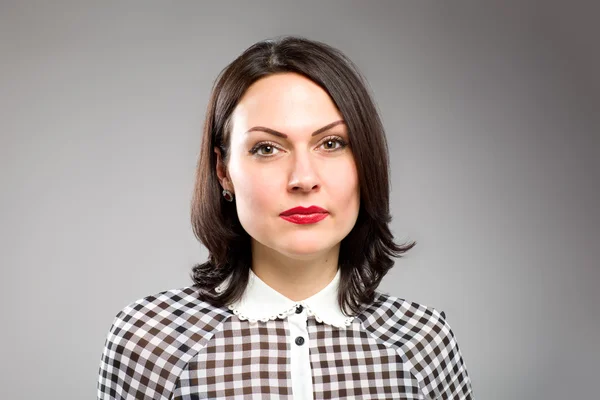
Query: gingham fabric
(173,346)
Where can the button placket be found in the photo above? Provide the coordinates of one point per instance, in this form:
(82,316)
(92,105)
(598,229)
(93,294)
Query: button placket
(300,355)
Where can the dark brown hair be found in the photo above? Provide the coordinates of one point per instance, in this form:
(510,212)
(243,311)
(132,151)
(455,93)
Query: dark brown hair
(366,252)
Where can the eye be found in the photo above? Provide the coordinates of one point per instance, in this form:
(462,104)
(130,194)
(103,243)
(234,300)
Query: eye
(329,143)
(270,149)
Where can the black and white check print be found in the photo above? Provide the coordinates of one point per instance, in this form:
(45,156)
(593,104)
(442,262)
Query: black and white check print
(173,346)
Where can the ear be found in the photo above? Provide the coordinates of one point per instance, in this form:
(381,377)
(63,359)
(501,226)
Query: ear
(222,174)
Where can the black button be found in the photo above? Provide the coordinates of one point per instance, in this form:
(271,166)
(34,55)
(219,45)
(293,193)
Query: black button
(299,308)
(299,340)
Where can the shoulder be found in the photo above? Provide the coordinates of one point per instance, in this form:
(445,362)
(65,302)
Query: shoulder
(402,323)
(180,310)
(424,340)
(181,306)
(151,340)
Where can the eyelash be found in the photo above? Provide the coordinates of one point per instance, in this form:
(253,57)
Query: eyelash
(260,145)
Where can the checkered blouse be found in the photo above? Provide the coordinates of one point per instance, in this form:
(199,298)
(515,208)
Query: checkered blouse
(173,346)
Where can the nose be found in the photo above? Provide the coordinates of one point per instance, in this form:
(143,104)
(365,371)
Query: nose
(303,176)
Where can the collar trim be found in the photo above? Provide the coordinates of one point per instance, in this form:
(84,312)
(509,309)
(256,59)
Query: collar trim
(262,303)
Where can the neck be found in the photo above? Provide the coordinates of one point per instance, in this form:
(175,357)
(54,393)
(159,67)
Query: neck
(297,279)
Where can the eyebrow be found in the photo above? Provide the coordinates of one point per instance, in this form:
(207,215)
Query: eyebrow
(283,135)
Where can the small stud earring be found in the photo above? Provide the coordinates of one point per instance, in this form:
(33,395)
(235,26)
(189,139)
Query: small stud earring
(228,195)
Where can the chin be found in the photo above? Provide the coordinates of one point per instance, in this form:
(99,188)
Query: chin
(300,251)
(302,255)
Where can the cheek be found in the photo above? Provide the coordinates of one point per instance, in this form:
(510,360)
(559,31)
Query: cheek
(344,183)
(257,196)
(257,189)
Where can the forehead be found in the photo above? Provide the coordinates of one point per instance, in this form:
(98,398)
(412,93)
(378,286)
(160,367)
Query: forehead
(286,101)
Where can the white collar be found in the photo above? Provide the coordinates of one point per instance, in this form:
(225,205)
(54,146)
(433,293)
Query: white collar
(260,302)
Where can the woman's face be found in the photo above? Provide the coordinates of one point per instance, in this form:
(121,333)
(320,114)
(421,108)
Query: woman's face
(269,173)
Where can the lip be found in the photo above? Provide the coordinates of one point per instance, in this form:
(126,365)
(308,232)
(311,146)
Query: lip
(304,215)
(305,218)
(304,211)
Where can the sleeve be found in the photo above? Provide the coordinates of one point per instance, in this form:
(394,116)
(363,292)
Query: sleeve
(148,345)
(446,377)
(130,362)
(108,375)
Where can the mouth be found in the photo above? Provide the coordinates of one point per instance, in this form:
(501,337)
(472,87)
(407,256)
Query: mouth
(304,215)
(305,218)
(304,210)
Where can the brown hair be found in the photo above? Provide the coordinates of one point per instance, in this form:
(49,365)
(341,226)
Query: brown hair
(366,252)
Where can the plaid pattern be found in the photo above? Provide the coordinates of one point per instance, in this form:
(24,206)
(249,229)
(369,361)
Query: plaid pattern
(174,346)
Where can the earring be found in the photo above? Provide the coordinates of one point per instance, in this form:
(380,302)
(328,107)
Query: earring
(228,195)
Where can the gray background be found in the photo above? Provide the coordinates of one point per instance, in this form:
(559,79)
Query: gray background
(492,116)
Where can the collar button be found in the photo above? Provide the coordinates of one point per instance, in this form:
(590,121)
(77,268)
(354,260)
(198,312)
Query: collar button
(299,308)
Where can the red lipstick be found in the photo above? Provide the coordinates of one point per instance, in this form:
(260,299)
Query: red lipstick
(304,215)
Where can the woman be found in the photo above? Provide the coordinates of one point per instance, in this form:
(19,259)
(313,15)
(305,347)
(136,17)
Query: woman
(292,203)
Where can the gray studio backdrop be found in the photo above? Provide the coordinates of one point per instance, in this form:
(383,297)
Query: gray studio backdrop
(492,117)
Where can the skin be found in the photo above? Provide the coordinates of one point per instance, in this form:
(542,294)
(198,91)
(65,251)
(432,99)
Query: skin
(300,170)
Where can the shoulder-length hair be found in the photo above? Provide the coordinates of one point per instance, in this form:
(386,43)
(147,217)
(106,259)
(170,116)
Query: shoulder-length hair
(366,252)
